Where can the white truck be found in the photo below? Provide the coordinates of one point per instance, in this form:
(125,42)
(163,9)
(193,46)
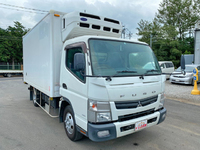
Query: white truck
(99,85)
(9,73)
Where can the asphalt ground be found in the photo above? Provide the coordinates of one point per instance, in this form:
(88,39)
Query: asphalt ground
(25,127)
(182,93)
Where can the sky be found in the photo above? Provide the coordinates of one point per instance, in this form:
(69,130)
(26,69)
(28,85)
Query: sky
(129,12)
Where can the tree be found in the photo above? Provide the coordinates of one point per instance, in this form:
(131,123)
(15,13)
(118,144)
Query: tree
(170,28)
(11,43)
(180,14)
(147,29)
(144,30)
(4,54)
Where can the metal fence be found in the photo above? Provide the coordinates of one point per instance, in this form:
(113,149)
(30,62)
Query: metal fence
(11,67)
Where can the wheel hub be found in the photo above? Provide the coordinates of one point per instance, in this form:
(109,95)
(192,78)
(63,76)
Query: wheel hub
(69,123)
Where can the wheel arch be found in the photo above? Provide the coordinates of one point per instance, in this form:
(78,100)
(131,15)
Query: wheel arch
(64,103)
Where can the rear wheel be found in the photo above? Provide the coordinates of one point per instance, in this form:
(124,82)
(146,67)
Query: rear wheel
(70,125)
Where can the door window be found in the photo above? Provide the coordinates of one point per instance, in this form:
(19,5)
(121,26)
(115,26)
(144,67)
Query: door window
(71,65)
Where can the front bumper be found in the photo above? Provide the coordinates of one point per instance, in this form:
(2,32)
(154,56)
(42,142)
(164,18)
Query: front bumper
(118,129)
(186,80)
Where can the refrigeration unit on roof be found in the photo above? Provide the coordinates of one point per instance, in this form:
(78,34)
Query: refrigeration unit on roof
(78,24)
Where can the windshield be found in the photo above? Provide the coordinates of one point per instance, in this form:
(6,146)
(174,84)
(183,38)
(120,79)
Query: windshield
(118,58)
(187,68)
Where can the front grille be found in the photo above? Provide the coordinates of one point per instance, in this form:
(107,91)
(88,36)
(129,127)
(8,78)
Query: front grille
(125,128)
(179,76)
(152,120)
(135,104)
(177,81)
(135,115)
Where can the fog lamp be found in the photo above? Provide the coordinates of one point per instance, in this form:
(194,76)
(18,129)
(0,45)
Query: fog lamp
(163,117)
(103,133)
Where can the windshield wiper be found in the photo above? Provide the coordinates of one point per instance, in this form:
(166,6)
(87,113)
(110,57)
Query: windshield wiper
(108,78)
(152,70)
(126,71)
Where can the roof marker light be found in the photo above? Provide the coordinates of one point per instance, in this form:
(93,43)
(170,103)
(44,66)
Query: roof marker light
(56,15)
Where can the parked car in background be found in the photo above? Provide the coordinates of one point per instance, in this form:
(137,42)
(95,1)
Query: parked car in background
(166,67)
(187,78)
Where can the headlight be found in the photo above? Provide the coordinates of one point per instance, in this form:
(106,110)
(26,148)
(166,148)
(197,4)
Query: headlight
(103,117)
(162,101)
(99,111)
(189,75)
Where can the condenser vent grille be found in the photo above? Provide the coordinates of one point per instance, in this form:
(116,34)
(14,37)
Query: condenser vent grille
(90,16)
(106,28)
(111,20)
(115,30)
(84,25)
(96,27)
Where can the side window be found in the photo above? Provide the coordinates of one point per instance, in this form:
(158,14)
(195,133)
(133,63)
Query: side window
(162,65)
(72,65)
(167,65)
(171,65)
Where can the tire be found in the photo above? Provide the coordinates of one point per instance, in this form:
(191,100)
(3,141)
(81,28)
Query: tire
(192,83)
(35,97)
(9,75)
(70,125)
(5,75)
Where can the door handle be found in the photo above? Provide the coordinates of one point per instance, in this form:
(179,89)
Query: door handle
(64,86)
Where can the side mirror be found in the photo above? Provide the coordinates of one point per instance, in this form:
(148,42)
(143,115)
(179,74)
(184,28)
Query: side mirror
(183,72)
(79,62)
(183,64)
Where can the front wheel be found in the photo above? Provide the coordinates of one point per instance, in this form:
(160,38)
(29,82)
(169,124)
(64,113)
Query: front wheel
(70,125)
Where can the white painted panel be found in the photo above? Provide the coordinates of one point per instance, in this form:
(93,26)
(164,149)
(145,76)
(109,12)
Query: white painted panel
(42,48)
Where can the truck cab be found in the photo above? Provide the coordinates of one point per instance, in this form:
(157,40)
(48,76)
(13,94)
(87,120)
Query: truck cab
(112,86)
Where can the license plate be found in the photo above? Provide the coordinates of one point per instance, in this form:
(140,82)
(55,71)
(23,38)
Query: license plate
(140,125)
(177,80)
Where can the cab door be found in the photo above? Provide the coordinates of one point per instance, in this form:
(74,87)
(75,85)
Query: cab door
(73,82)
